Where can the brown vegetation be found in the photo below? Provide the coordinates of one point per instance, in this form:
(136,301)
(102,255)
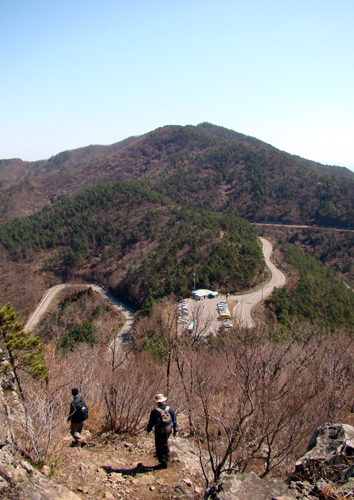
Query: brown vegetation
(253,402)
(196,166)
(72,308)
(245,400)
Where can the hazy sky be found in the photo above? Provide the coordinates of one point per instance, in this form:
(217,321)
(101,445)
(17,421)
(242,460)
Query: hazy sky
(76,72)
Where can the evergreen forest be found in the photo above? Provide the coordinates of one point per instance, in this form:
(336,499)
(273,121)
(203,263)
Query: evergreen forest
(164,243)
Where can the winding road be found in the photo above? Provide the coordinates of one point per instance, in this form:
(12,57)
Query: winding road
(123,335)
(242,312)
(243,309)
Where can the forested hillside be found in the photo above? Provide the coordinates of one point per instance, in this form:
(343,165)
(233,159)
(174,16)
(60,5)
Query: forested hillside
(334,248)
(133,240)
(13,170)
(205,167)
(317,296)
(228,134)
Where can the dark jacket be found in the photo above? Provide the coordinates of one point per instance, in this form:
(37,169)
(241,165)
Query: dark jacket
(155,418)
(76,416)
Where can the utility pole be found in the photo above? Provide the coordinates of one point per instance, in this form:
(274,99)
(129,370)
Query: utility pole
(194,279)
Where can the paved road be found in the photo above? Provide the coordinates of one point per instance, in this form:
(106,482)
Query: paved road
(206,310)
(123,335)
(242,312)
(274,224)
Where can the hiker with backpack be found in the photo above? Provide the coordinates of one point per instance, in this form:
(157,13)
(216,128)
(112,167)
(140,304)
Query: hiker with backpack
(163,418)
(78,414)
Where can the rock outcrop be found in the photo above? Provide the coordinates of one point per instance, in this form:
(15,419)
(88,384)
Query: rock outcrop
(325,471)
(249,487)
(328,442)
(18,479)
(327,467)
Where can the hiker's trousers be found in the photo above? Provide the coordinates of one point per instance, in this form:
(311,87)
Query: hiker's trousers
(75,431)
(162,449)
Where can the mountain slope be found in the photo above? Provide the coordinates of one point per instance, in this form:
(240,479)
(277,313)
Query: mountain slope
(16,170)
(231,135)
(196,168)
(328,300)
(128,238)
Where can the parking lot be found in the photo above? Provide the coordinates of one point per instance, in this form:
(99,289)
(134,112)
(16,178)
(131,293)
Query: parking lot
(240,306)
(204,312)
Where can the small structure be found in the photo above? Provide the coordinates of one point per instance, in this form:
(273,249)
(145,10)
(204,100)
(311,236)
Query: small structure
(201,294)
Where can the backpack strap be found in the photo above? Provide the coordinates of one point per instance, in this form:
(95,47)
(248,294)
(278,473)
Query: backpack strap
(77,404)
(160,410)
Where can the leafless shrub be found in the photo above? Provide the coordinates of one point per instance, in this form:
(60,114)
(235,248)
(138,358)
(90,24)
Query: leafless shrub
(202,324)
(128,393)
(256,402)
(39,424)
(251,402)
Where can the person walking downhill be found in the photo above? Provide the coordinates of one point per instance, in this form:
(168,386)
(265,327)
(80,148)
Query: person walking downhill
(163,419)
(77,415)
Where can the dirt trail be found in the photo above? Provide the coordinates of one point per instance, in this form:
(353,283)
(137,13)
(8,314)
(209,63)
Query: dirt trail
(111,468)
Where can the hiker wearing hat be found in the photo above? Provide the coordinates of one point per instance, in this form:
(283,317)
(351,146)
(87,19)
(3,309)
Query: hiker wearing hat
(77,415)
(163,418)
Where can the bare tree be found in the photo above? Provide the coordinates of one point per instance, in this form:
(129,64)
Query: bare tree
(128,393)
(41,427)
(255,401)
(158,332)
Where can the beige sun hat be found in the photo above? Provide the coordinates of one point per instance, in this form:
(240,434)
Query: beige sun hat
(160,398)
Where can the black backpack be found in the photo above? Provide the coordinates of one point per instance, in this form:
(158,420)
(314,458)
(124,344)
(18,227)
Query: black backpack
(163,426)
(81,410)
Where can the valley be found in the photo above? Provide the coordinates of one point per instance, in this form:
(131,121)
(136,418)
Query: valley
(98,246)
(205,312)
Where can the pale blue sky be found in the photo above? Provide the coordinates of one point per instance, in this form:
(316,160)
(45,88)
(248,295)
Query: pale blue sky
(76,72)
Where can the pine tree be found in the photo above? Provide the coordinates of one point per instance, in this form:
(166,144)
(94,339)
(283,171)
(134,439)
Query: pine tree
(24,351)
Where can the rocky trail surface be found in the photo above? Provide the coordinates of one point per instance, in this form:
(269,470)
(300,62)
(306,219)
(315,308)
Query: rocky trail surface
(111,468)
